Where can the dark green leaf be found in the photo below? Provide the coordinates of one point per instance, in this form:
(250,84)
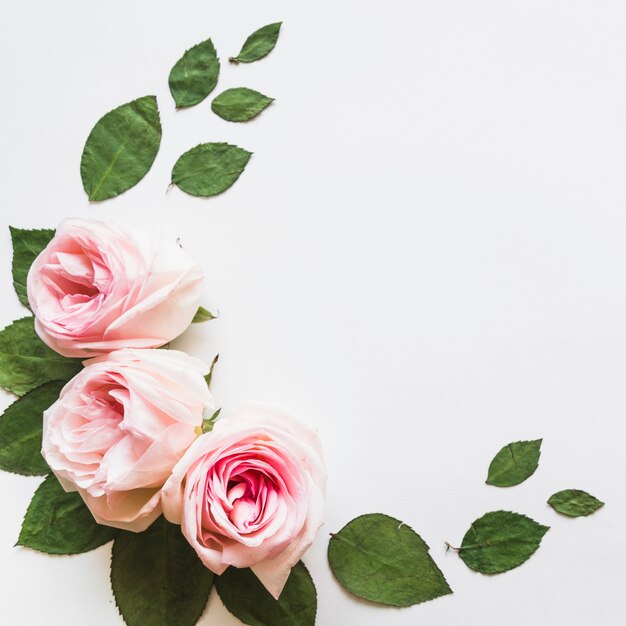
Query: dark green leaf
(194,75)
(246,598)
(240,104)
(121,148)
(210,168)
(157,578)
(209,376)
(202,315)
(21,429)
(26,362)
(500,541)
(57,522)
(380,559)
(574,503)
(27,244)
(514,463)
(259,44)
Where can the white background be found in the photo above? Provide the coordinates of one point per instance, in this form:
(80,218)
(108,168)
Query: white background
(425,257)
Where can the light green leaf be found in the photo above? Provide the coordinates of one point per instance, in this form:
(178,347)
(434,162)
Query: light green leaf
(574,503)
(57,522)
(21,429)
(240,104)
(202,315)
(27,244)
(514,463)
(209,376)
(157,578)
(121,148)
(248,600)
(194,75)
(26,362)
(381,559)
(210,168)
(500,541)
(259,44)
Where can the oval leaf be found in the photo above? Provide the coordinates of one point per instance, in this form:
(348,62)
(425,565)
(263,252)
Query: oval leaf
(380,559)
(209,169)
(157,578)
(58,522)
(26,362)
(194,75)
(500,541)
(121,148)
(21,429)
(240,104)
(574,503)
(514,463)
(259,44)
(248,600)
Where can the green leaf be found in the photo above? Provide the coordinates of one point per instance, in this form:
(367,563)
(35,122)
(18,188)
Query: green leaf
(202,315)
(248,600)
(240,104)
(209,376)
(209,168)
(500,541)
(121,148)
(26,362)
(209,422)
(157,578)
(574,503)
(514,463)
(259,44)
(27,244)
(194,75)
(21,429)
(58,522)
(381,559)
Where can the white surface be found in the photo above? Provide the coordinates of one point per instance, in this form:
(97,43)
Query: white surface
(425,256)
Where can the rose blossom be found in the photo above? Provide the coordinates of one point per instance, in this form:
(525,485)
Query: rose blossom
(120,426)
(250,493)
(97,287)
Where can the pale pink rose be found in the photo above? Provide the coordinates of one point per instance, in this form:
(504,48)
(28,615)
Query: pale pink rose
(97,287)
(120,426)
(250,493)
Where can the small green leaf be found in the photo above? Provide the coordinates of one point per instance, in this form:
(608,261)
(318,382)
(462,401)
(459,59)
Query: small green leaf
(27,244)
(202,315)
(259,44)
(21,429)
(209,422)
(121,148)
(157,578)
(209,168)
(57,522)
(381,559)
(248,600)
(26,362)
(194,75)
(500,541)
(574,503)
(209,376)
(514,463)
(240,104)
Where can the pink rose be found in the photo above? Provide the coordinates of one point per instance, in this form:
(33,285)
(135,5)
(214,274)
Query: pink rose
(250,493)
(120,426)
(98,287)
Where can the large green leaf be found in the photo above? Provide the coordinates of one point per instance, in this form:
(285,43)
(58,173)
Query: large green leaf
(514,463)
(240,104)
(259,44)
(500,541)
(26,362)
(248,600)
(27,244)
(381,559)
(210,168)
(157,578)
(194,75)
(574,503)
(121,148)
(57,522)
(21,431)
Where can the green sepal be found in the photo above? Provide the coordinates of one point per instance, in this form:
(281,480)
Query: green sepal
(209,376)
(202,315)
